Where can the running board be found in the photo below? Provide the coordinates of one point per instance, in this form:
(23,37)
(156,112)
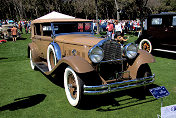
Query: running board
(42,67)
(165,50)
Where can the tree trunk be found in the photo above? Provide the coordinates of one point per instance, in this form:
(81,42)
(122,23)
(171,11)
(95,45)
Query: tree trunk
(107,15)
(117,7)
(96,8)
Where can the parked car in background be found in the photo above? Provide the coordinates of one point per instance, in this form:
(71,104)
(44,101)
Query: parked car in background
(159,33)
(5,31)
(88,65)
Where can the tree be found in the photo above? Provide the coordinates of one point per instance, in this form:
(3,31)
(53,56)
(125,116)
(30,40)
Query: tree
(89,9)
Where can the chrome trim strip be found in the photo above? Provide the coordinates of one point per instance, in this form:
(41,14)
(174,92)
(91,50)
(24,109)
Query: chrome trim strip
(122,59)
(118,86)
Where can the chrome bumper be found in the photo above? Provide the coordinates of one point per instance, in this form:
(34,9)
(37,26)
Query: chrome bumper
(118,86)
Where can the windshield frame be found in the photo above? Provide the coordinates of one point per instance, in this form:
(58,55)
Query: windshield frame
(57,34)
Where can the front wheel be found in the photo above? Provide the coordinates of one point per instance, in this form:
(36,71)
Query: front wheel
(145,44)
(73,87)
(144,71)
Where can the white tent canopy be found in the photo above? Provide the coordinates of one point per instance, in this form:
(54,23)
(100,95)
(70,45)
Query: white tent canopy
(56,15)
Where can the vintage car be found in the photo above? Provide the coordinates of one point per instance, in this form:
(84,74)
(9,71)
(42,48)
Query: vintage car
(88,65)
(5,31)
(159,33)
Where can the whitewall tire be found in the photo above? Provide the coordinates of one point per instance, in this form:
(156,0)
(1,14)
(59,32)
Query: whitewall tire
(51,57)
(145,44)
(31,61)
(73,87)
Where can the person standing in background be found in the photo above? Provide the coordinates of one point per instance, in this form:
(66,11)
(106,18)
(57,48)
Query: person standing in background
(110,29)
(118,28)
(20,27)
(14,33)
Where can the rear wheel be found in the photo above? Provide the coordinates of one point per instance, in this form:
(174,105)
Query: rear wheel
(31,60)
(73,87)
(145,44)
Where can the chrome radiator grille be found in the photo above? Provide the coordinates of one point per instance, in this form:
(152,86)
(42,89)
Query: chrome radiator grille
(112,50)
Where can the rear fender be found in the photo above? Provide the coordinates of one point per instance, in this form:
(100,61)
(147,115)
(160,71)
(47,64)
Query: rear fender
(143,58)
(34,49)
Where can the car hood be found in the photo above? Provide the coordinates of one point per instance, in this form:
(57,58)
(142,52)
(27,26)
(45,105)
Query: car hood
(78,39)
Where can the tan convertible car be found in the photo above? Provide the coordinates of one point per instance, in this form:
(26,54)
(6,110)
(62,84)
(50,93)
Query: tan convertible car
(67,49)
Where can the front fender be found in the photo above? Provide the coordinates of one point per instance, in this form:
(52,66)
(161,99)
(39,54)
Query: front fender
(57,50)
(78,64)
(143,58)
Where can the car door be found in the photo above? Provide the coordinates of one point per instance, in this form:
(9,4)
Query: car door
(45,38)
(172,31)
(157,29)
(42,38)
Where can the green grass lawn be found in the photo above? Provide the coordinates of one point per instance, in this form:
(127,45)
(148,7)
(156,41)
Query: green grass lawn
(25,93)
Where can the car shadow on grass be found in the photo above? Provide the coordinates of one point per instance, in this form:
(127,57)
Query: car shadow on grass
(16,39)
(3,58)
(108,102)
(25,102)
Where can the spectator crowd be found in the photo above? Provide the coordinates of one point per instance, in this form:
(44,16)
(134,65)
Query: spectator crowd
(19,24)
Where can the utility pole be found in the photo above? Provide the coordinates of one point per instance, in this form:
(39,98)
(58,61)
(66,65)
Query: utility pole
(117,7)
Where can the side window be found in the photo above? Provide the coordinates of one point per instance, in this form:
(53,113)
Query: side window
(47,31)
(37,29)
(174,21)
(156,21)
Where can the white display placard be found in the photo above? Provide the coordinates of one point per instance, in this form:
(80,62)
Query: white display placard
(168,111)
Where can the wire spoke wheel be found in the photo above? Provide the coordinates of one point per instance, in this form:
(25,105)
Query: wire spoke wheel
(73,87)
(146,45)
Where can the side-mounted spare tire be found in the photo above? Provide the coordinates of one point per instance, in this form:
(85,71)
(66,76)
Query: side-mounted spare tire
(51,57)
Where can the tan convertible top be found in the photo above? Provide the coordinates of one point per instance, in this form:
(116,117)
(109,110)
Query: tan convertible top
(59,20)
(58,17)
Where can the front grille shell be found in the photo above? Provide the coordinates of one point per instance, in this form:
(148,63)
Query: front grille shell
(112,50)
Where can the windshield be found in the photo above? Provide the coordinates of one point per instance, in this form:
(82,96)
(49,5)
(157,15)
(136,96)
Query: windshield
(79,28)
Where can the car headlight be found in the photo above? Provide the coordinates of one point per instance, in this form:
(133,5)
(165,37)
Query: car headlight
(130,51)
(96,54)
